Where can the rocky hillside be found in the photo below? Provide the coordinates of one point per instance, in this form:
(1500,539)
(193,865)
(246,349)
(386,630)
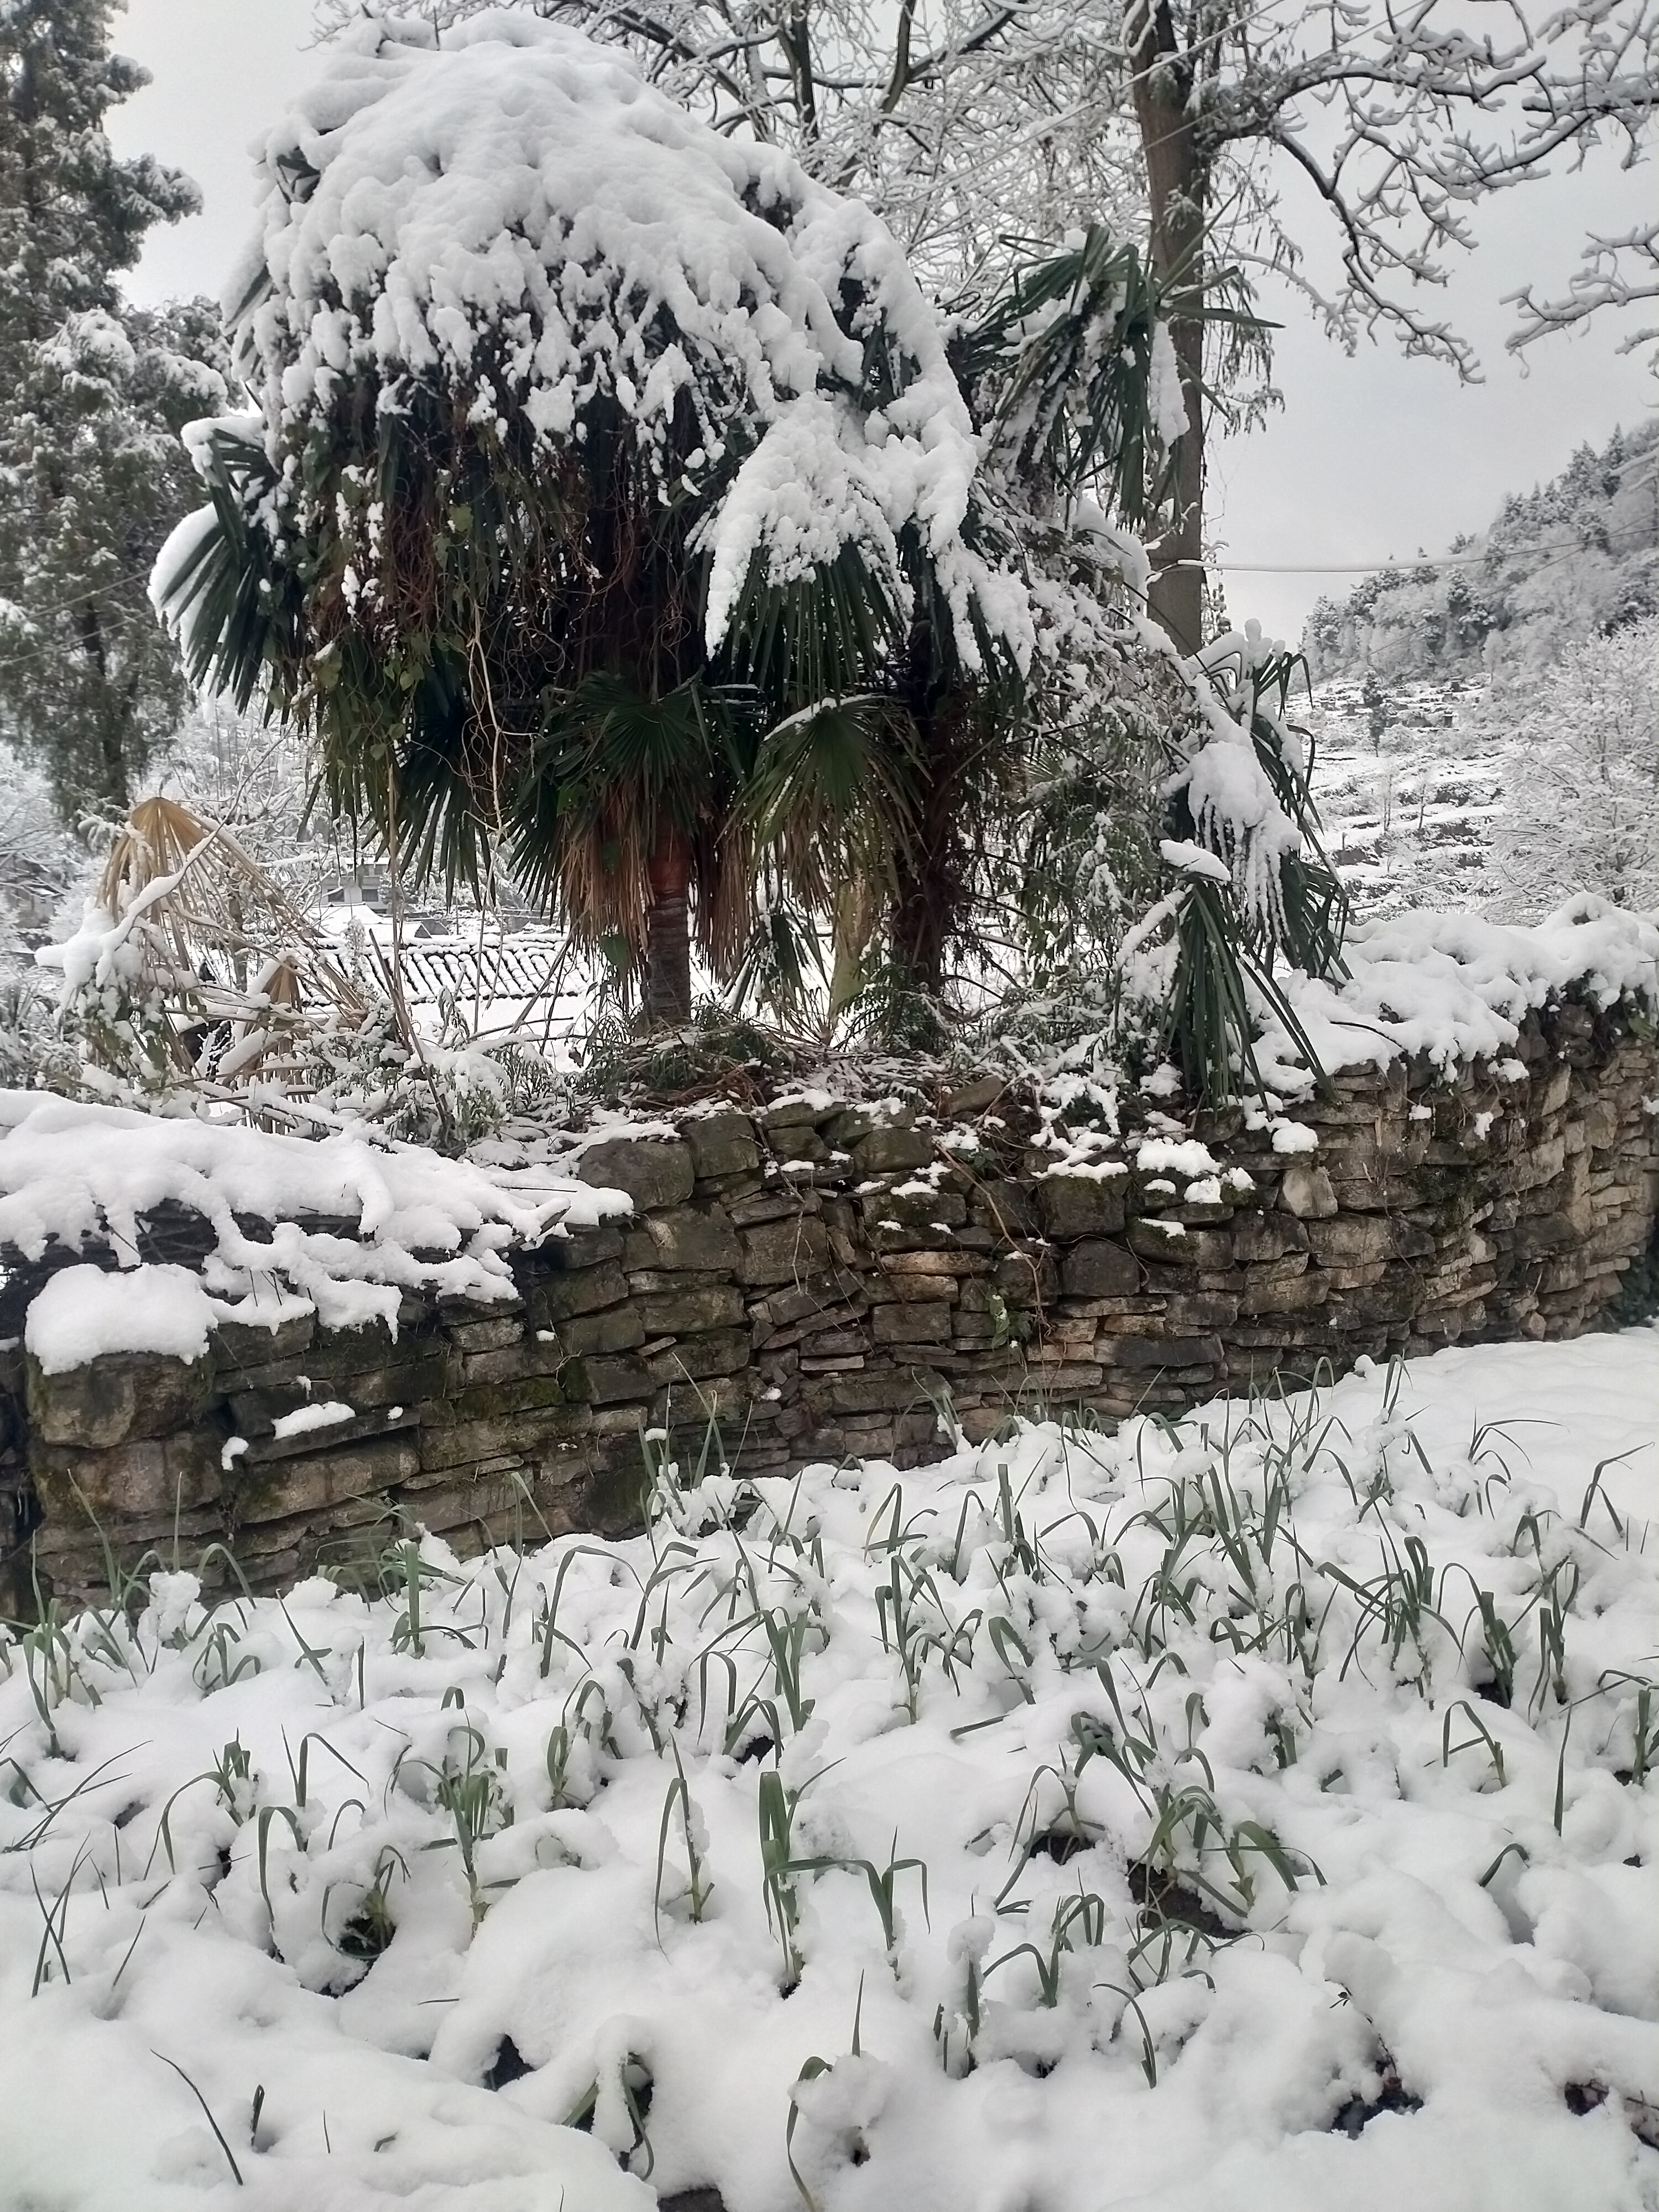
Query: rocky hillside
(1409,780)
(1570,558)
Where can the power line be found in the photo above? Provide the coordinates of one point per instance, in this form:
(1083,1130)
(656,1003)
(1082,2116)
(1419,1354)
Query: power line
(113,586)
(1401,567)
(1375,568)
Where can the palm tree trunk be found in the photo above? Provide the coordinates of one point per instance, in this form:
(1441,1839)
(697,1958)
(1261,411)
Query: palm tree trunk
(928,897)
(668,932)
(931,890)
(1178,182)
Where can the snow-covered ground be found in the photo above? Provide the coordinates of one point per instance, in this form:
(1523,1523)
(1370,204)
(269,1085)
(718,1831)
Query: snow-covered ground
(1258,1813)
(1407,816)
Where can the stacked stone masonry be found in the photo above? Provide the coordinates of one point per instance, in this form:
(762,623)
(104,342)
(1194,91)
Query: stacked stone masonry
(817,1280)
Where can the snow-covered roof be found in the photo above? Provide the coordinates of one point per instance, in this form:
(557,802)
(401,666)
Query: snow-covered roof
(509,211)
(519,986)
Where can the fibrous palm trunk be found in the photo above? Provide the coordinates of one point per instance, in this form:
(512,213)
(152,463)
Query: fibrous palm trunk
(932,891)
(668,932)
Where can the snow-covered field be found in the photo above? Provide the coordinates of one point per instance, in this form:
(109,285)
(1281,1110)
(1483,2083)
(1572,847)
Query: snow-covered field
(1258,1813)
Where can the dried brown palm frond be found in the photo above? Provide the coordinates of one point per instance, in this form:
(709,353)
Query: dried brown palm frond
(225,947)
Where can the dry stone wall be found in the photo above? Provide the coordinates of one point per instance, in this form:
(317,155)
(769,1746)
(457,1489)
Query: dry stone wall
(818,1279)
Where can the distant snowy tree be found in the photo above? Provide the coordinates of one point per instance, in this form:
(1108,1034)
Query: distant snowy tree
(38,855)
(40,863)
(1375,701)
(1581,778)
(92,397)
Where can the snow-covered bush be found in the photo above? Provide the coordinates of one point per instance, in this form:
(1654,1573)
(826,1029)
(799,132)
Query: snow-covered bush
(189,963)
(1251,891)
(447,1091)
(193,976)
(39,857)
(1581,777)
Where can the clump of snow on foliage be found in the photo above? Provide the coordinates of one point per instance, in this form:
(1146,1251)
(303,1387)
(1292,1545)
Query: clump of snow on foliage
(1187,859)
(507,212)
(92,340)
(1233,804)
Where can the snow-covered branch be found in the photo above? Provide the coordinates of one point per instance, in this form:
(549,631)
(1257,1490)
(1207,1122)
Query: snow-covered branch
(1617,273)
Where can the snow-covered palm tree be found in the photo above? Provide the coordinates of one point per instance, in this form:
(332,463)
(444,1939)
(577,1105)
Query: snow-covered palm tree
(601,470)
(613,492)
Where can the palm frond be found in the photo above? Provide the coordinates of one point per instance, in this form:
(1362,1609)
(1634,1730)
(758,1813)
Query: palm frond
(835,785)
(816,637)
(1065,358)
(1221,944)
(226,598)
(1068,350)
(781,956)
(1208,1022)
(1313,905)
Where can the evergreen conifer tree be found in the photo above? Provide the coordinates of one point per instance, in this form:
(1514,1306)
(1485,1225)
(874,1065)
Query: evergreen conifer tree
(92,394)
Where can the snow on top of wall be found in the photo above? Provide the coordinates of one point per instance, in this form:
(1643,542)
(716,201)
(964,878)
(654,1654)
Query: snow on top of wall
(510,211)
(70,1172)
(1453,986)
(84,1313)
(1176,1156)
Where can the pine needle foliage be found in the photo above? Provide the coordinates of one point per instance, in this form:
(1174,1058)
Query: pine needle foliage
(93,395)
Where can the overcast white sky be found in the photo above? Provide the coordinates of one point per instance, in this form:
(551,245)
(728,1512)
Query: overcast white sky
(1370,458)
